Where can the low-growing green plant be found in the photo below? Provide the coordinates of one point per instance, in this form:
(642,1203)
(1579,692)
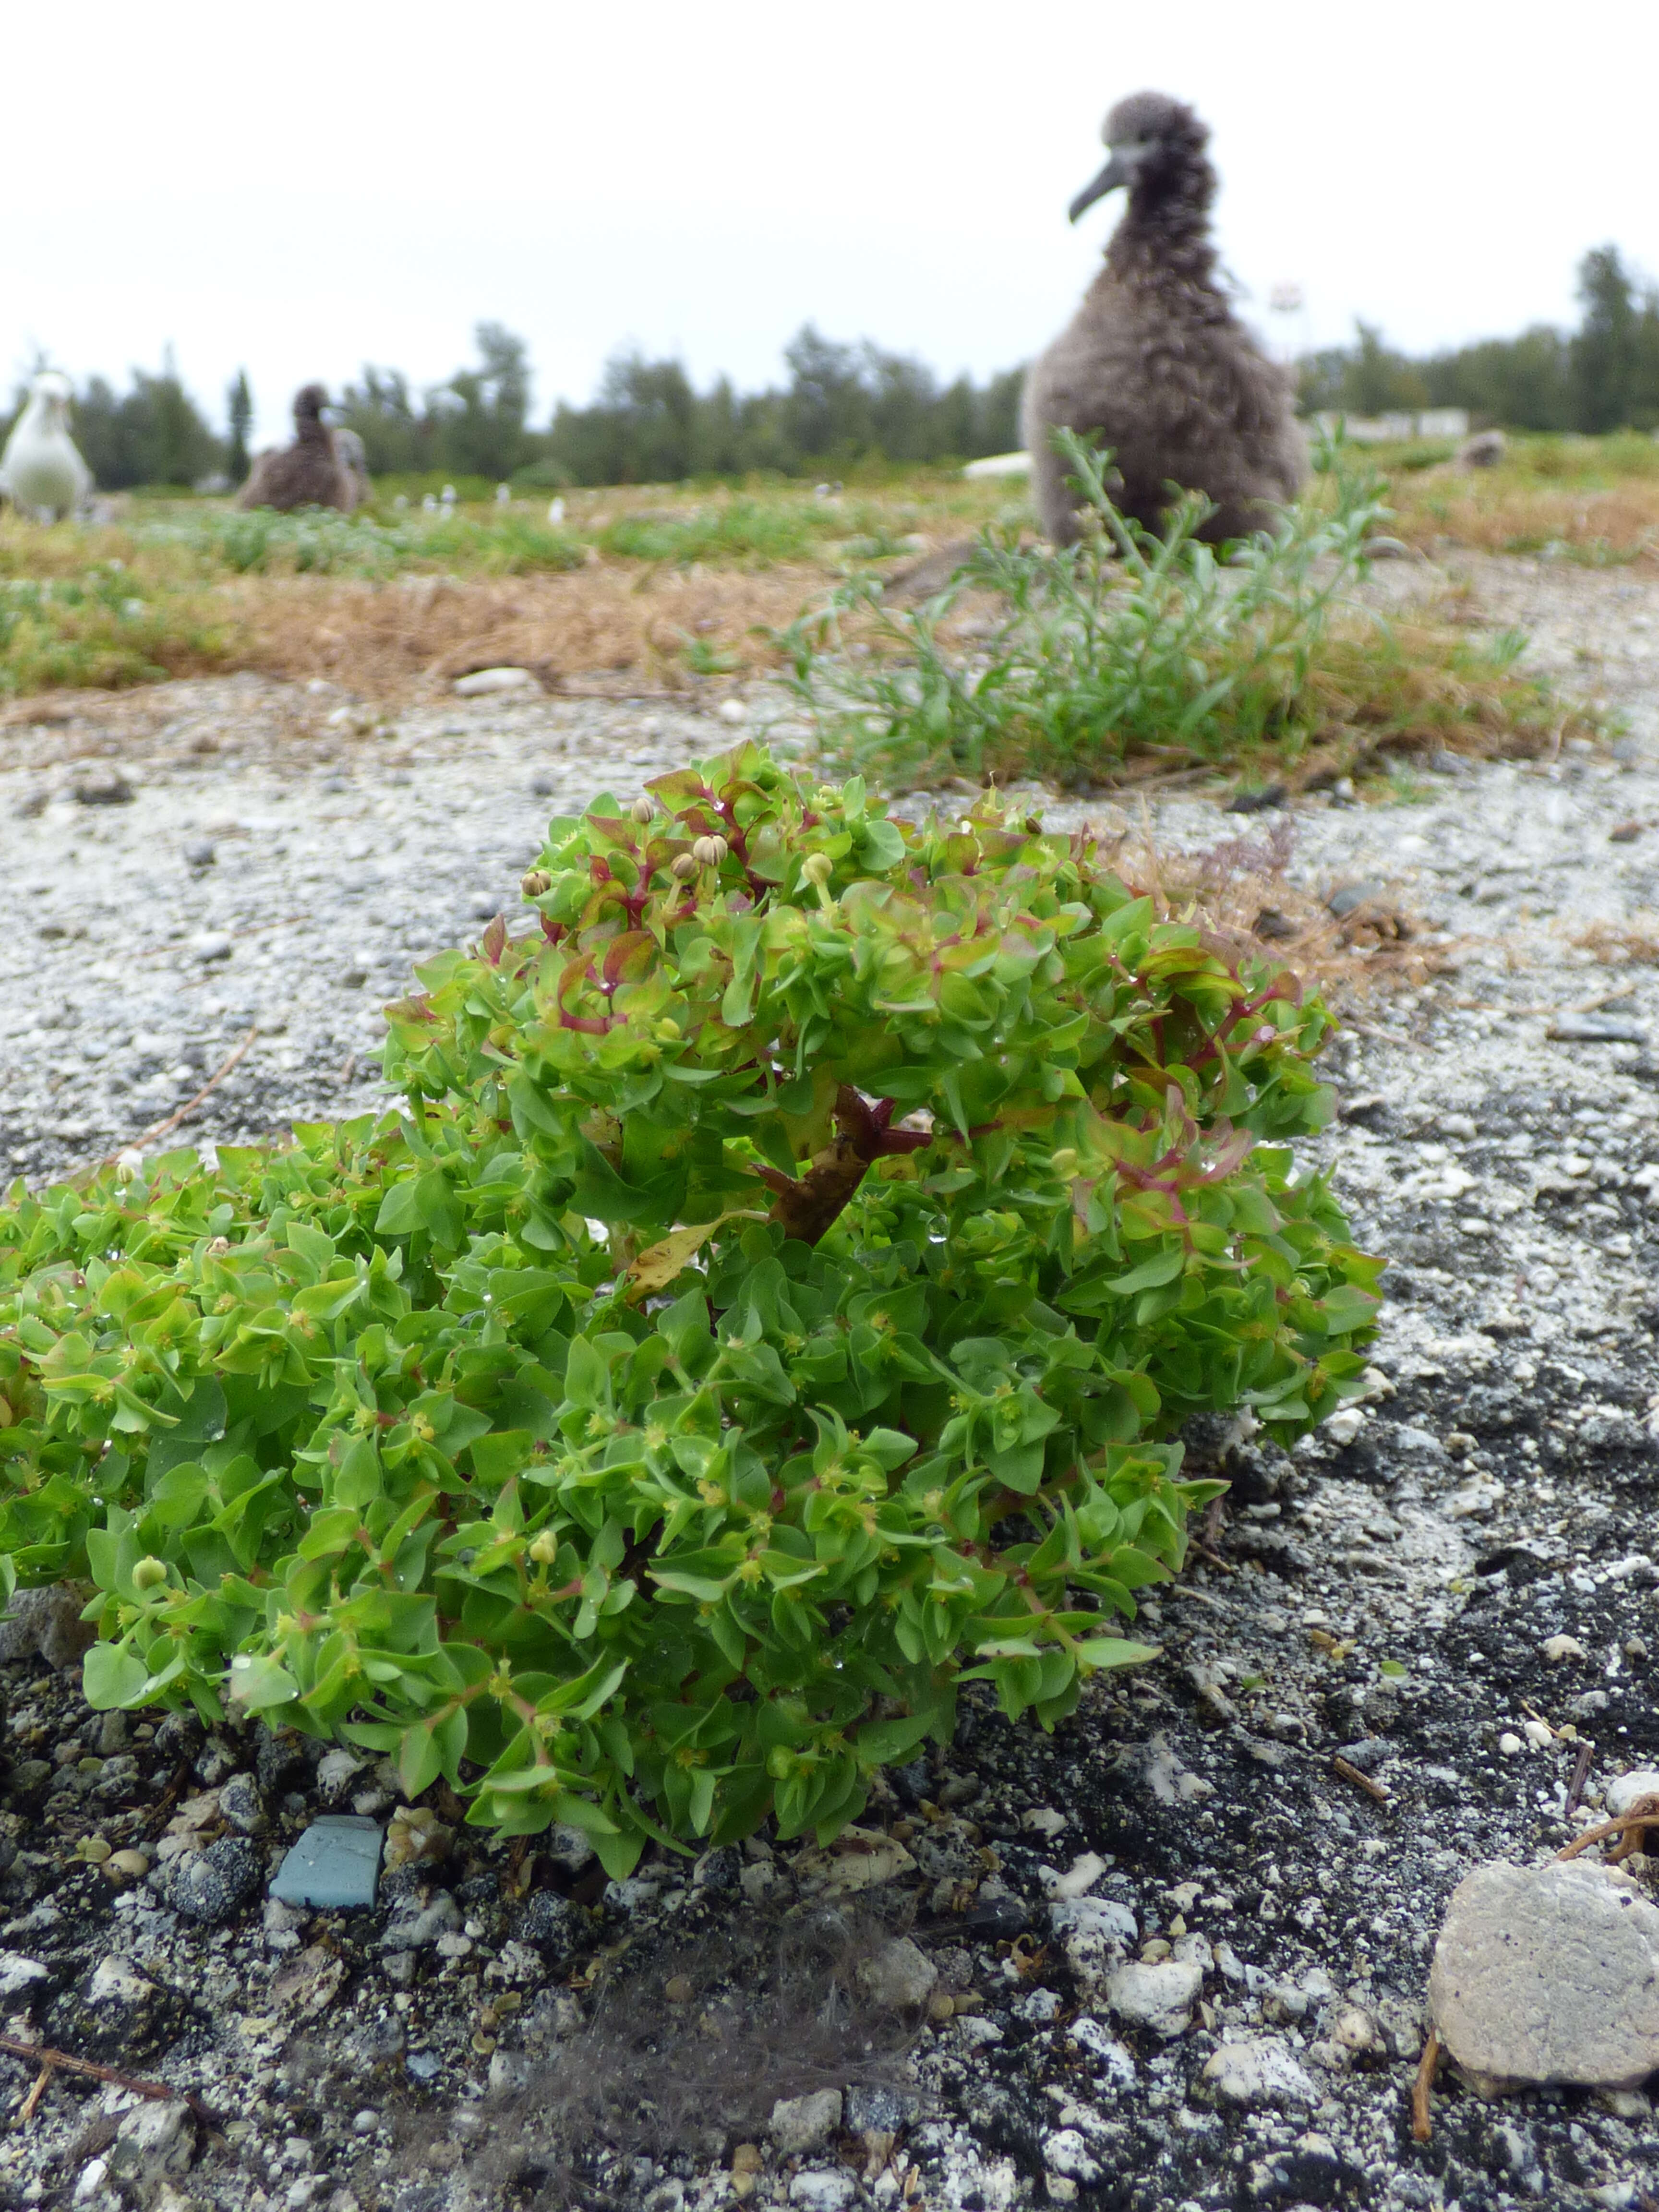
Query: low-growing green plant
(1129,645)
(101,627)
(773,1305)
(1124,643)
(743,530)
(316,541)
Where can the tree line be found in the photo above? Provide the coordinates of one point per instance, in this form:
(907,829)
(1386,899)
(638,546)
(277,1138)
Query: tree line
(1603,376)
(842,405)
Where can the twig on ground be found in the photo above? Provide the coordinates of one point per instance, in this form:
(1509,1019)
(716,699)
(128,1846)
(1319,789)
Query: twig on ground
(166,1128)
(1349,1772)
(51,2061)
(1643,1814)
(1422,2122)
(1580,1774)
(1203,1597)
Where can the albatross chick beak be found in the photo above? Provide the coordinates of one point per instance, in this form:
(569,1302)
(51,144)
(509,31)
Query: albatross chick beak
(1116,171)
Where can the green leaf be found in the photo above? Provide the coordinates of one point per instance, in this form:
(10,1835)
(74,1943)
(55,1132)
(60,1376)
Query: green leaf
(111,1674)
(1115,1651)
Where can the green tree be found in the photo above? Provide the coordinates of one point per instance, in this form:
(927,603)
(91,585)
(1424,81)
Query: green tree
(480,412)
(240,407)
(1604,351)
(153,434)
(1377,380)
(397,439)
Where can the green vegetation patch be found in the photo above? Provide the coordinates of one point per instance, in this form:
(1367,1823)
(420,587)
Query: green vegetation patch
(317,541)
(771,1307)
(1130,647)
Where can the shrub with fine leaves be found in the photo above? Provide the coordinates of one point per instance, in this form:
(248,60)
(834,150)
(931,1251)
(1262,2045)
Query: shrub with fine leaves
(771,1308)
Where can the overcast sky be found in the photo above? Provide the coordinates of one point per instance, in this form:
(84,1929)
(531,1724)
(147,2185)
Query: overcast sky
(299,191)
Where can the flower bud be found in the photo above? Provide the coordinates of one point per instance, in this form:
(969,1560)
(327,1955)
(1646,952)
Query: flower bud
(534,884)
(709,852)
(1065,1163)
(545,1548)
(147,1573)
(817,868)
(643,808)
(668,1031)
(685,868)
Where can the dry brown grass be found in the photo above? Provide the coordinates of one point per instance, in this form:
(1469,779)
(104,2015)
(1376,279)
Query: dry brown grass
(1495,512)
(1240,890)
(384,640)
(1632,944)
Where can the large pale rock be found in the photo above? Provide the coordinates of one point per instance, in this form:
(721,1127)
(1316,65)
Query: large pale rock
(1259,2070)
(899,1976)
(1158,1994)
(1098,1933)
(801,2123)
(1548,1974)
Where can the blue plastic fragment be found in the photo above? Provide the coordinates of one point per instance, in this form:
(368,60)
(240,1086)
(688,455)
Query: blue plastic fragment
(335,1862)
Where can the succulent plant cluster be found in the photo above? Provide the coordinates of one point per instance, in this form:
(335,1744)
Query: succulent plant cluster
(773,1305)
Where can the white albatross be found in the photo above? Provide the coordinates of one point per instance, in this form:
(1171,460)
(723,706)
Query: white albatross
(40,471)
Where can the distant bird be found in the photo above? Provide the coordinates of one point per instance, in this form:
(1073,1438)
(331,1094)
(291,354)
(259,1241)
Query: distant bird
(1154,362)
(40,471)
(353,456)
(308,473)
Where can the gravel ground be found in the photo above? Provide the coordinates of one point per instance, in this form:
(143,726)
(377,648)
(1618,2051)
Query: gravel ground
(1170,1957)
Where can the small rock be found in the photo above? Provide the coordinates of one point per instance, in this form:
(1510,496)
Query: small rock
(733,711)
(101,787)
(1098,1933)
(1596,1029)
(1080,1877)
(1256,802)
(1625,1790)
(1257,2071)
(859,1858)
(823,2189)
(556,1926)
(1067,2152)
(1354,2031)
(718,1870)
(1556,1648)
(1110,2057)
(47,1621)
(335,1864)
(1483,451)
(116,1981)
(155,2138)
(208,946)
(243,1807)
(416,1836)
(484,681)
(1549,1974)
(1351,896)
(1159,1994)
(801,2123)
(18,1973)
(879,2109)
(567,1847)
(898,1976)
(412,1930)
(1344,1426)
(336,1772)
(201,853)
(1510,1744)
(212,1886)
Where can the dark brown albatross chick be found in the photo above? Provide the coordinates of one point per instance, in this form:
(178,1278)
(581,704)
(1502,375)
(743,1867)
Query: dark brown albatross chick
(1154,362)
(308,473)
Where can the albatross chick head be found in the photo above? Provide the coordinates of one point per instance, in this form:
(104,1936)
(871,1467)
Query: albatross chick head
(1152,141)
